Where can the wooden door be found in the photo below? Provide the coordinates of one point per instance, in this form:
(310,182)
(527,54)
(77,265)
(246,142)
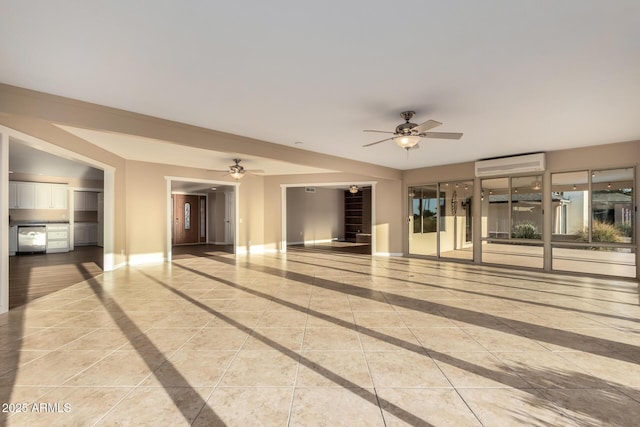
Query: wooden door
(186,219)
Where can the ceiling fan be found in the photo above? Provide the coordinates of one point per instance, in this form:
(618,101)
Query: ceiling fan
(407,135)
(237,171)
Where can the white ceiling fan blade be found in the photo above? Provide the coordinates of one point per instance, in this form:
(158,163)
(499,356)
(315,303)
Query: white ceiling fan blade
(379,131)
(377,142)
(423,127)
(442,135)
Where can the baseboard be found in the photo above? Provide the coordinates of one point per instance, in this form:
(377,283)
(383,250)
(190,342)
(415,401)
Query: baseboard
(388,254)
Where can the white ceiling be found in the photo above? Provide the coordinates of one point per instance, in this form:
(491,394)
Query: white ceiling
(31,160)
(514,76)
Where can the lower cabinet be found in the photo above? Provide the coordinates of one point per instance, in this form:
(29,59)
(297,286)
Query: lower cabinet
(85,233)
(57,238)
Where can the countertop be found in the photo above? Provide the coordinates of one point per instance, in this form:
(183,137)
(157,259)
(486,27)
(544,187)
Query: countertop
(17,223)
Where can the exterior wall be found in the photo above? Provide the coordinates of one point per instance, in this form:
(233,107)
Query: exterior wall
(618,155)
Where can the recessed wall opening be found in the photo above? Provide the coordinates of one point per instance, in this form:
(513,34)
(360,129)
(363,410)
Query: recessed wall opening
(329,217)
(66,201)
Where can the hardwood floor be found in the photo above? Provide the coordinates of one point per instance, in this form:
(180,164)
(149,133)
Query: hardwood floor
(347,247)
(37,275)
(194,251)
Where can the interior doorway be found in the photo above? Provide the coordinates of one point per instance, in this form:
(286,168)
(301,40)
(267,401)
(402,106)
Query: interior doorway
(189,219)
(202,218)
(328,218)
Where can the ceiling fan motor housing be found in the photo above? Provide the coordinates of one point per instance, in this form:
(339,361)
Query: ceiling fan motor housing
(405,128)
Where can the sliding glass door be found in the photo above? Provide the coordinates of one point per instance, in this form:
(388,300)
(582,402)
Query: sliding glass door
(456,239)
(441,220)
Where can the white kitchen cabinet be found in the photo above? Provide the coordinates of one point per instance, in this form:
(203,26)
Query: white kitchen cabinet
(13,194)
(92,233)
(57,238)
(85,233)
(13,240)
(22,195)
(85,201)
(59,196)
(37,195)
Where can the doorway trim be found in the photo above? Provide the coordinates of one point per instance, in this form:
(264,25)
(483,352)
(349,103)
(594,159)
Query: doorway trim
(169,223)
(283,207)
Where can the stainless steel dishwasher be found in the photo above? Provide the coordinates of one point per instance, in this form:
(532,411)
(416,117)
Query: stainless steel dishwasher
(32,238)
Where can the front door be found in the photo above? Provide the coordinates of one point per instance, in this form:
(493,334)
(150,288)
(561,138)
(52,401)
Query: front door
(186,219)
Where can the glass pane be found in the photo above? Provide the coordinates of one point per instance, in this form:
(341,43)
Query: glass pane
(609,261)
(423,220)
(495,208)
(415,199)
(430,209)
(612,205)
(526,207)
(456,235)
(187,216)
(570,206)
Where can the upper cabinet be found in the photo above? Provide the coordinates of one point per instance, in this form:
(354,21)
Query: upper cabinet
(37,195)
(85,201)
(51,196)
(22,195)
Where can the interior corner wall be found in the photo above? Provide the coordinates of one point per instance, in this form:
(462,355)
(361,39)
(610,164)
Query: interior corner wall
(146,210)
(314,216)
(251,215)
(388,220)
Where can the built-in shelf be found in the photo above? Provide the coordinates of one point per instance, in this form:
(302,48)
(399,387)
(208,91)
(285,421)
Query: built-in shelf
(357,214)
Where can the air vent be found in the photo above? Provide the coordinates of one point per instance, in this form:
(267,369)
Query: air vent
(511,165)
(309,189)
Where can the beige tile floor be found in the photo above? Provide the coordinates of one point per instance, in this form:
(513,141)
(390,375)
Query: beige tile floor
(324,339)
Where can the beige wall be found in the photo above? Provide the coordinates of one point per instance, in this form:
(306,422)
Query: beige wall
(314,216)
(251,213)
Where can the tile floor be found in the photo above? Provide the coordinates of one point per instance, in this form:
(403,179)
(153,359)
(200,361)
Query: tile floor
(324,339)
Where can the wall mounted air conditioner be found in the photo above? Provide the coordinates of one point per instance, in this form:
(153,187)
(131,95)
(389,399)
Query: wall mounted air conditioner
(511,165)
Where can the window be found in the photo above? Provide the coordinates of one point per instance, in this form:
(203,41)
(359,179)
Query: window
(593,222)
(424,209)
(569,206)
(187,216)
(612,206)
(526,207)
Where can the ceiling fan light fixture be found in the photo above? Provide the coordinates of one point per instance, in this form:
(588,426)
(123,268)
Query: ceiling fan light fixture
(406,141)
(353,189)
(236,173)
